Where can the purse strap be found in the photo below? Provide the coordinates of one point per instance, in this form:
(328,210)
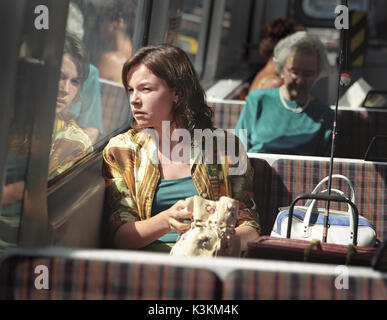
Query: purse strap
(310,208)
(334,176)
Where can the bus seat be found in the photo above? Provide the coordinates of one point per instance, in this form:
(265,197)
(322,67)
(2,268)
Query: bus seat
(107,275)
(317,283)
(240,92)
(226,113)
(297,176)
(356,127)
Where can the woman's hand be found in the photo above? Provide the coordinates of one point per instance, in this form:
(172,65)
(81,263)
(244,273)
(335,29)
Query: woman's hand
(176,215)
(138,234)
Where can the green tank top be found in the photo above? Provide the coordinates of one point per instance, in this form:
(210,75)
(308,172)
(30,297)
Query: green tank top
(168,192)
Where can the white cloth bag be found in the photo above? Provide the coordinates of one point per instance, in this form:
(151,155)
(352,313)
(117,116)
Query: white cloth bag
(212,229)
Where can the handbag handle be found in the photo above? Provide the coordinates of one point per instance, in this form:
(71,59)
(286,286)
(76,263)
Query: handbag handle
(355,212)
(334,176)
(309,210)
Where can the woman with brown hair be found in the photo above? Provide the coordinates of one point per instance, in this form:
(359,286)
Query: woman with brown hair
(147,179)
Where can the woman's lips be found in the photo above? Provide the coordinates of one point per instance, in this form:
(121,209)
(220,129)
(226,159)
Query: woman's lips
(61,102)
(139,113)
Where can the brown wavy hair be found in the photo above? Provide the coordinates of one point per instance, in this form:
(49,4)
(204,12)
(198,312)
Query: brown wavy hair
(274,31)
(172,64)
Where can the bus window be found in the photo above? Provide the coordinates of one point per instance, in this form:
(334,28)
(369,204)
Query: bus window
(32,83)
(91,104)
(16,169)
(325,9)
(193,30)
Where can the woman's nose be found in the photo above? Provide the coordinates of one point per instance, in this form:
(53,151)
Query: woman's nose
(135,98)
(64,86)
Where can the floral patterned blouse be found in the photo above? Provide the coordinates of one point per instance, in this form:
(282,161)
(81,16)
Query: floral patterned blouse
(131,173)
(69,144)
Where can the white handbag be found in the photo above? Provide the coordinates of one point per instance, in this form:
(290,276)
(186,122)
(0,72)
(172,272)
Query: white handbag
(212,229)
(307,221)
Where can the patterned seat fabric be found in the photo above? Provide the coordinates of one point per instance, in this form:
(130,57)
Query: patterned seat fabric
(292,178)
(82,279)
(275,285)
(226,115)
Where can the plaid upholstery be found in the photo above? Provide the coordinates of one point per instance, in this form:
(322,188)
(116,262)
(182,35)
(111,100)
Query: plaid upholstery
(226,114)
(355,131)
(294,177)
(82,279)
(115,107)
(271,285)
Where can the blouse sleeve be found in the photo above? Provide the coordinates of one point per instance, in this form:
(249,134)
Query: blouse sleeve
(241,175)
(120,201)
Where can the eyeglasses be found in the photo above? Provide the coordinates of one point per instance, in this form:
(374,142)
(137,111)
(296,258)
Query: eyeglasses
(295,74)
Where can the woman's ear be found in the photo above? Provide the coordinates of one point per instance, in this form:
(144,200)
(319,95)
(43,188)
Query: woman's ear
(176,98)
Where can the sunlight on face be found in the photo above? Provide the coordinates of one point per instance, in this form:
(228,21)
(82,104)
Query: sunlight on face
(151,99)
(69,84)
(299,73)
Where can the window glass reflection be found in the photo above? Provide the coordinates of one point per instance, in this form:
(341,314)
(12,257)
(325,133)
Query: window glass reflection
(19,146)
(99,109)
(188,38)
(69,141)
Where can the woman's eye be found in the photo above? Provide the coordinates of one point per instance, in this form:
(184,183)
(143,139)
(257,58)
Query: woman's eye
(76,82)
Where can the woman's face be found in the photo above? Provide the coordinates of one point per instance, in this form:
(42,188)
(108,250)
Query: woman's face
(69,84)
(151,99)
(299,74)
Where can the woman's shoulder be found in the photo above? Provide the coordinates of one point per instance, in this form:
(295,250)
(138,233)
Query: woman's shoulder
(126,140)
(70,131)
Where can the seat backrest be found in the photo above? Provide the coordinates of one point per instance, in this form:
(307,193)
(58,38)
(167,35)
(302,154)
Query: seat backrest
(68,278)
(115,106)
(288,285)
(293,177)
(226,114)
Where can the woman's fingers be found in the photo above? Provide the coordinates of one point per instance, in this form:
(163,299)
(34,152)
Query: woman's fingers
(180,220)
(180,227)
(180,205)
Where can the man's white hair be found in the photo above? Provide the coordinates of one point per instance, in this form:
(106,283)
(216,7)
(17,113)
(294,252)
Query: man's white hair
(304,42)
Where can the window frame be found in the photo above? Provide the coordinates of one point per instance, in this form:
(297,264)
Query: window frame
(310,21)
(33,229)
